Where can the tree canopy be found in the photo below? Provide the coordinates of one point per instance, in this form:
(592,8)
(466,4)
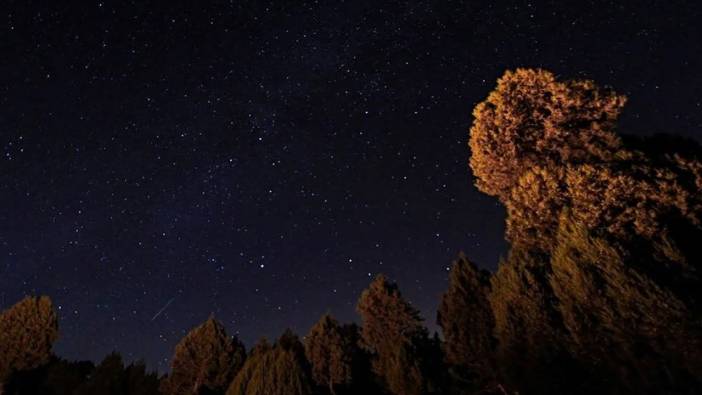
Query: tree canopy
(27,333)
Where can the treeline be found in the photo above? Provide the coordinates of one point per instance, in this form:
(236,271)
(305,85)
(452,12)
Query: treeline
(600,292)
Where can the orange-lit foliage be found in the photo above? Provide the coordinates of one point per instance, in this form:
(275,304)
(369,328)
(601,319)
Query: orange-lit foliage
(280,369)
(466,319)
(532,119)
(27,332)
(541,145)
(393,333)
(623,321)
(332,350)
(205,359)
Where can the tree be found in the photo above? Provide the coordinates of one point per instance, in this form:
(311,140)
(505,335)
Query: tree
(205,359)
(626,324)
(601,285)
(333,352)
(27,332)
(398,342)
(540,145)
(467,321)
(111,377)
(57,377)
(280,369)
(530,354)
(531,119)
(528,129)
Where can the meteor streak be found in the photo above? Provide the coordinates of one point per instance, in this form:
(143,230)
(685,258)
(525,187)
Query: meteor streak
(163,309)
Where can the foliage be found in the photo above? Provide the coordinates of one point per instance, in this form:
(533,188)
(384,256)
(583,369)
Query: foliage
(205,359)
(57,377)
(467,322)
(333,352)
(111,377)
(27,332)
(541,145)
(393,333)
(280,369)
(600,292)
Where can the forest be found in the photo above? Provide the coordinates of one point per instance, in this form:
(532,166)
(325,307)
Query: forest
(599,293)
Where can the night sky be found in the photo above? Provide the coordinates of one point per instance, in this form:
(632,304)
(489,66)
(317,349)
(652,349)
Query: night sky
(262,162)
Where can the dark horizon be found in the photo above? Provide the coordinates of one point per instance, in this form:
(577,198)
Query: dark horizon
(264,163)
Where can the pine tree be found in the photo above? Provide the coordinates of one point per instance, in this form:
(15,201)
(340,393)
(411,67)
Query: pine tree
(205,359)
(57,377)
(333,353)
(394,335)
(631,330)
(27,332)
(530,354)
(280,369)
(111,377)
(467,321)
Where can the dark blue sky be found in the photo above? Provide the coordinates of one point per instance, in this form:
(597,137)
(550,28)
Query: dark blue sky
(263,161)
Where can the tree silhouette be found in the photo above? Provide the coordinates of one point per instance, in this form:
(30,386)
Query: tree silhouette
(27,332)
(111,377)
(205,359)
(57,377)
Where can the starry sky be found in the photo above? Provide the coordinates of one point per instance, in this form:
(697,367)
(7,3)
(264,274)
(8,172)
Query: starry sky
(263,161)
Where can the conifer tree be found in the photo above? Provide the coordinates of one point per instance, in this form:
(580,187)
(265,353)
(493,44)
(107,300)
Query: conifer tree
(280,369)
(467,321)
(333,353)
(205,359)
(111,377)
(57,377)
(394,335)
(530,353)
(27,332)
(632,331)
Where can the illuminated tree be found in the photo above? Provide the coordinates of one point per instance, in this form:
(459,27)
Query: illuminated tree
(624,321)
(333,353)
(541,145)
(466,319)
(280,369)
(206,358)
(27,332)
(531,119)
(394,335)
